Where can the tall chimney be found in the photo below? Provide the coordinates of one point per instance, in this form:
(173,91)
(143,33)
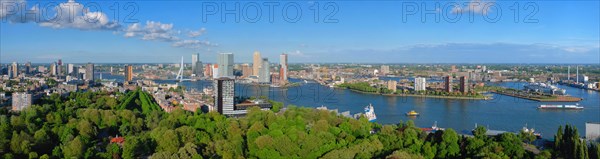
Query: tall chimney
(568,73)
(577,74)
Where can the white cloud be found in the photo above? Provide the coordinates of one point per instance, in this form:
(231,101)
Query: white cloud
(10,7)
(74,15)
(474,6)
(152,31)
(298,53)
(65,15)
(193,44)
(15,11)
(578,49)
(157,31)
(194,34)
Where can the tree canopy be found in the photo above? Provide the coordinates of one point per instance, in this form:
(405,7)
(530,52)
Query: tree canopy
(83,124)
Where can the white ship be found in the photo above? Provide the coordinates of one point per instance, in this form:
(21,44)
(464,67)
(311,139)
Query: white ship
(576,106)
(370,113)
(545,88)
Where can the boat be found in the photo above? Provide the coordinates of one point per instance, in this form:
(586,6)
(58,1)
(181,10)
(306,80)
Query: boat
(545,88)
(412,113)
(532,131)
(370,113)
(576,106)
(433,128)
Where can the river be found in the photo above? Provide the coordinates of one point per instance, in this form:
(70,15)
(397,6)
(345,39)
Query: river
(502,113)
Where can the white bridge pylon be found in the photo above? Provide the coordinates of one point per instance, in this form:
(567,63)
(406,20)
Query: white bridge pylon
(180,74)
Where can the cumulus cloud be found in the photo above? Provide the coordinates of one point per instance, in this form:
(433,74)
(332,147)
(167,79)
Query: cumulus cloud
(9,7)
(157,31)
(197,33)
(69,14)
(475,6)
(16,11)
(153,31)
(74,15)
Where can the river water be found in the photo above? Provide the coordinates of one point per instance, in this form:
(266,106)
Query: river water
(502,113)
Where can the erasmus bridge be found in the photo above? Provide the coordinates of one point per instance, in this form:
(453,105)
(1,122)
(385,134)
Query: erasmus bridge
(180,73)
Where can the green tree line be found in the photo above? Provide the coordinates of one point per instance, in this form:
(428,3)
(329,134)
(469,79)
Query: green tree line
(81,125)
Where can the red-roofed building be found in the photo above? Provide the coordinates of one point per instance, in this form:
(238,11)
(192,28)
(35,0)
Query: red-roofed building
(118,140)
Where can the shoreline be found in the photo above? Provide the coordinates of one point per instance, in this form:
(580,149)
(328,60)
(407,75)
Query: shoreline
(558,99)
(419,95)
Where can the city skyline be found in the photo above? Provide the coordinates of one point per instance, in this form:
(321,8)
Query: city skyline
(556,34)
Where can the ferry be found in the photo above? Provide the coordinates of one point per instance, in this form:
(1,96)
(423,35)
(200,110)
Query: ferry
(412,113)
(370,113)
(576,106)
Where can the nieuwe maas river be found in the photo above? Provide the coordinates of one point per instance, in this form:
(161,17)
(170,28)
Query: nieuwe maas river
(502,113)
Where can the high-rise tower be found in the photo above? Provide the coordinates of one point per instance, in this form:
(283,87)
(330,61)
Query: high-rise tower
(257,63)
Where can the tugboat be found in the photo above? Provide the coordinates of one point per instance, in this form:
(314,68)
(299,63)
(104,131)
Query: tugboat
(412,113)
(370,113)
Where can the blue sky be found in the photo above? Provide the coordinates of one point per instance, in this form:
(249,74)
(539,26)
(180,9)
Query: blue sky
(374,32)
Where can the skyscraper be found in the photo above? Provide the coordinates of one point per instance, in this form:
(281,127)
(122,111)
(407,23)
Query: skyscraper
(28,68)
(463,84)
(420,84)
(246,70)
(224,89)
(15,70)
(10,72)
(194,64)
(283,68)
(70,69)
(215,71)
(448,83)
(21,101)
(225,61)
(128,73)
(385,69)
(265,74)
(53,70)
(59,68)
(89,72)
(257,63)
(392,85)
(208,70)
(199,69)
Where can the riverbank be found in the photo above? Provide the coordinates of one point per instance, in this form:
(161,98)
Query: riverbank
(289,85)
(422,95)
(556,99)
(443,97)
(578,86)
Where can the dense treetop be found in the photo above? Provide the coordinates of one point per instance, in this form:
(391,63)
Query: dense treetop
(82,124)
